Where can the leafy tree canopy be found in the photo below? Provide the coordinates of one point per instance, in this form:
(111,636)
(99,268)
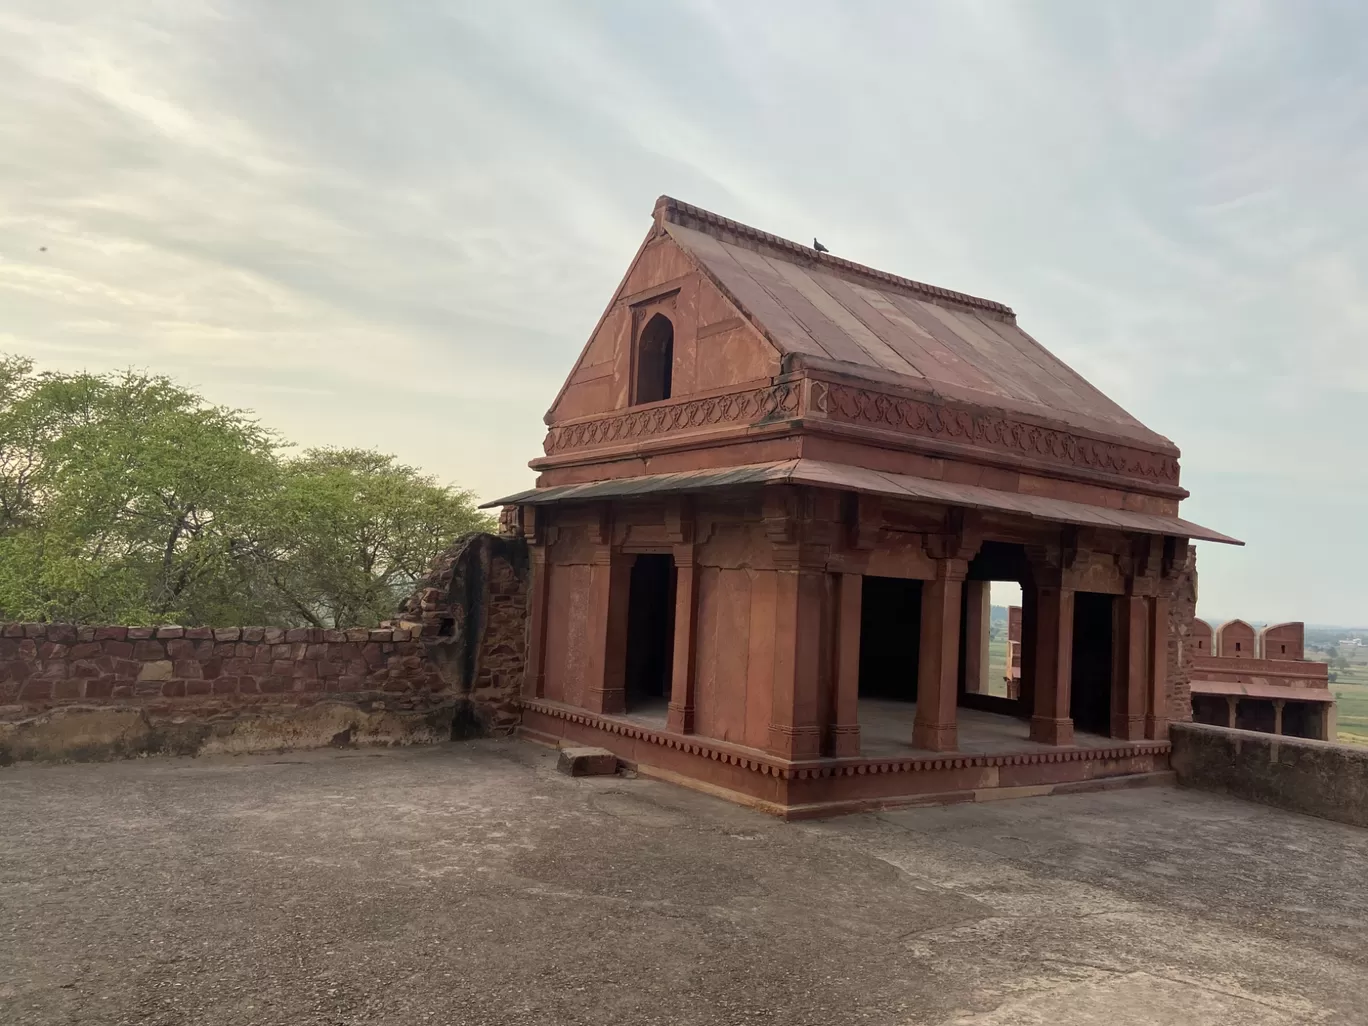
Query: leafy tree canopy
(126,498)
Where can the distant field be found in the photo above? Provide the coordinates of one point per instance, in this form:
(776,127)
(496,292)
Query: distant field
(1352,700)
(997,666)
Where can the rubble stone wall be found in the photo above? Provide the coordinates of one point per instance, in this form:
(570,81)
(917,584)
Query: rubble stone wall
(1182,613)
(450,665)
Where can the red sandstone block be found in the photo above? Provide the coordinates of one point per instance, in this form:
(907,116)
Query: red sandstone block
(204,650)
(9,691)
(334,637)
(85,634)
(199,633)
(9,648)
(166,632)
(86,668)
(351,682)
(118,649)
(227,633)
(14,630)
(297,634)
(139,633)
(35,630)
(100,687)
(253,635)
(378,635)
(180,648)
(28,649)
(173,689)
(248,684)
(225,649)
(198,687)
(316,651)
(66,688)
(275,684)
(111,633)
(55,670)
(84,650)
(358,634)
(35,690)
(587,762)
(282,667)
(126,669)
(149,650)
(273,636)
(51,650)
(211,668)
(225,686)
(121,691)
(190,669)
(64,633)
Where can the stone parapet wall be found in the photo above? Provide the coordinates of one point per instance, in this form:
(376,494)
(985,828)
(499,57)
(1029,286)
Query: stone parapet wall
(455,667)
(1290,673)
(1317,778)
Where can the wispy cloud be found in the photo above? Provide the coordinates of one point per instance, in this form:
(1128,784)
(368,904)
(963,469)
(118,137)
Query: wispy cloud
(395,224)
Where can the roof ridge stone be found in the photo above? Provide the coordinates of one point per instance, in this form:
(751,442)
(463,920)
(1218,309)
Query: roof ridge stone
(682,212)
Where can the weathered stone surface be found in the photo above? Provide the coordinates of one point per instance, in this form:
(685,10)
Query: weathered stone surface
(587,762)
(1317,778)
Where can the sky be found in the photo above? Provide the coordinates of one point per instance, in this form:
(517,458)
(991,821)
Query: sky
(394,225)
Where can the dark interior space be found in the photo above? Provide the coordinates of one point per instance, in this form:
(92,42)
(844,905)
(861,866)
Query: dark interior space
(655,360)
(1210,709)
(1255,714)
(999,561)
(650,631)
(1091,680)
(890,638)
(1303,719)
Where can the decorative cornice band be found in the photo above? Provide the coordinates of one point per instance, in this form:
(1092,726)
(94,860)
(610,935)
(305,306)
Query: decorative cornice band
(995,433)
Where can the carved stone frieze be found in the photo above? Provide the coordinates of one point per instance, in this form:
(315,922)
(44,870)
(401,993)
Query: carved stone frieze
(989,430)
(749,406)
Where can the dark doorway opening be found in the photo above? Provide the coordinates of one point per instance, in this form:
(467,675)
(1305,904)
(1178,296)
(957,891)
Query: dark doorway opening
(1304,719)
(655,360)
(1211,709)
(986,680)
(1256,714)
(1091,680)
(890,638)
(650,632)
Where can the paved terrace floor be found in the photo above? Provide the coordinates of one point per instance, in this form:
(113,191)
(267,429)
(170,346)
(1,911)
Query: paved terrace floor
(472,884)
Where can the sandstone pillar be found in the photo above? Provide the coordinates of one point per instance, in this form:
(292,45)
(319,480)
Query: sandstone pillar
(938,662)
(1278,704)
(609,583)
(1051,723)
(978,613)
(1157,702)
(1231,704)
(534,677)
(681,712)
(1132,684)
(795,729)
(845,727)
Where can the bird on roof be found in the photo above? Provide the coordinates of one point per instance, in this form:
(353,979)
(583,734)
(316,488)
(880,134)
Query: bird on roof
(818,246)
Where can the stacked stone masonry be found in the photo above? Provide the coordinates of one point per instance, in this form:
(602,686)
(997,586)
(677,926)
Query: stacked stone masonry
(452,664)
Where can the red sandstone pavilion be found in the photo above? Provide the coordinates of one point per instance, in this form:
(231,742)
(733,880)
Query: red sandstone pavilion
(775,488)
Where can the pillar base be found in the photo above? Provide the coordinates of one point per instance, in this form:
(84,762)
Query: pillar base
(1156,728)
(935,737)
(845,741)
(1050,731)
(1128,728)
(794,742)
(608,701)
(680,719)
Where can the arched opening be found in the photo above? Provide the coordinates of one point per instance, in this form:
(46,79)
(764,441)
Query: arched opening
(655,360)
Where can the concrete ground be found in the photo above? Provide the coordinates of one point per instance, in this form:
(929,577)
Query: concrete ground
(470,883)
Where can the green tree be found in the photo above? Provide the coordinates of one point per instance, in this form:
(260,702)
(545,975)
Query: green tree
(354,530)
(129,499)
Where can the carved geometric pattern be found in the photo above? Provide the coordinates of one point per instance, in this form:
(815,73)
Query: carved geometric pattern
(756,404)
(876,409)
(847,767)
(864,406)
